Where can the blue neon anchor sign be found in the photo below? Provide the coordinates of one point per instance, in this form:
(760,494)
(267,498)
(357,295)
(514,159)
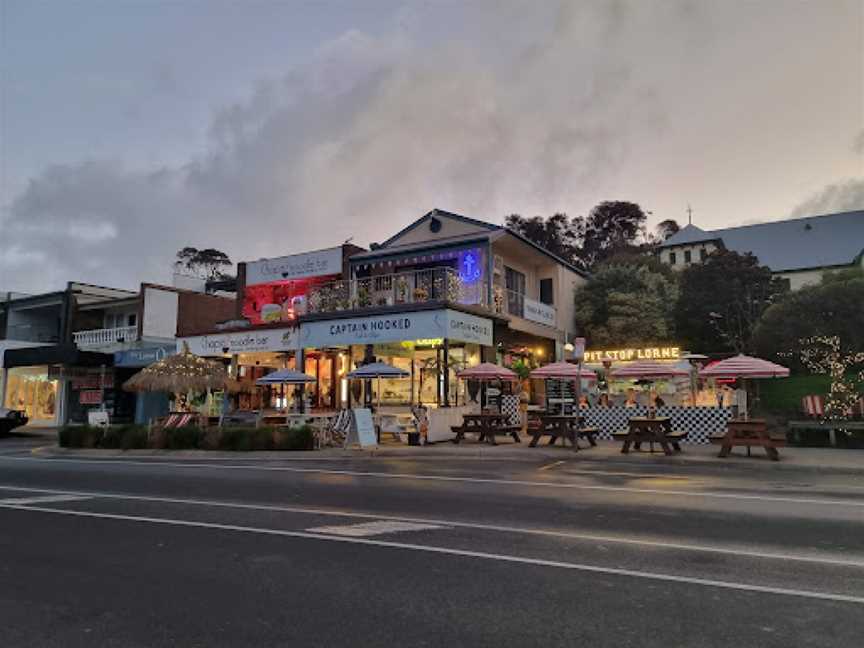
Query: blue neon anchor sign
(469,267)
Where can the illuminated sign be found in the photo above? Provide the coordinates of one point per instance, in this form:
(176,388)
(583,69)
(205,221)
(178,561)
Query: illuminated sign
(646,353)
(296,266)
(470,265)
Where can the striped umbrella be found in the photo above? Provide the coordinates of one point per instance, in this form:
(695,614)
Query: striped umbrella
(742,366)
(486,371)
(563,371)
(649,370)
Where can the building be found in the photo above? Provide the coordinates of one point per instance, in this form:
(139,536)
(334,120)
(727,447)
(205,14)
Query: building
(443,293)
(799,250)
(67,352)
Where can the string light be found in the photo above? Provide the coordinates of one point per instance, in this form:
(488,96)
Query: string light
(822,354)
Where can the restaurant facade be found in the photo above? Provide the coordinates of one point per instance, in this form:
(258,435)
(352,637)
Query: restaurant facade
(445,293)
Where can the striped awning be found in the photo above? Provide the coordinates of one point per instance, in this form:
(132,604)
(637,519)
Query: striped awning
(742,366)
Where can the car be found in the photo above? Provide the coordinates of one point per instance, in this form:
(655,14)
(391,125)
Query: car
(11,419)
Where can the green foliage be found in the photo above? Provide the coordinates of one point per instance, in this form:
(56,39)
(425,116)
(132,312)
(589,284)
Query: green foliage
(557,234)
(79,436)
(784,396)
(521,369)
(297,438)
(628,300)
(833,308)
(125,437)
(206,263)
(188,437)
(721,301)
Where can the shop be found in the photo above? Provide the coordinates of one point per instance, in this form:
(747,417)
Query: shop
(144,406)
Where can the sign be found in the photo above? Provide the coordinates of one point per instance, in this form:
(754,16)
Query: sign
(579,348)
(539,312)
(90,397)
(295,266)
(93,381)
(377,329)
(646,353)
(363,428)
(274,340)
(142,357)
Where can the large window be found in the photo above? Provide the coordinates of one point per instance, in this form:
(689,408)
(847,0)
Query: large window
(515,284)
(30,389)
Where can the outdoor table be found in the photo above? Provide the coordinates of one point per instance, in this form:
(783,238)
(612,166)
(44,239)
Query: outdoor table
(750,432)
(558,425)
(485,425)
(658,429)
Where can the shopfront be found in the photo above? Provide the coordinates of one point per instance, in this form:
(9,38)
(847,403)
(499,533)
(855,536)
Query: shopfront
(144,406)
(33,391)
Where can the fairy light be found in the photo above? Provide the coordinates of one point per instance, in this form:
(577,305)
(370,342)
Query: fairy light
(822,354)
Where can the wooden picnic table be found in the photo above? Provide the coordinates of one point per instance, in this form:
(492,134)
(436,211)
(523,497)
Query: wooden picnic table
(486,425)
(563,426)
(749,433)
(653,430)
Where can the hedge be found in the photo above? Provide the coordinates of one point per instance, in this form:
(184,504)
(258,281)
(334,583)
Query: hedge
(128,437)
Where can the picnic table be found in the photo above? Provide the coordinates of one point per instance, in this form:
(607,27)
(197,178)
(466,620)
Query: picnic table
(749,433)
(563,426)
(653,430)
(486,425)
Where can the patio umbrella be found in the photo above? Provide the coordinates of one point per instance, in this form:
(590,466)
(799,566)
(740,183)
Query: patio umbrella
(286,377)
(178,374)
(487,372)
(744,367)
(378,370)
(566,371)
(649,369)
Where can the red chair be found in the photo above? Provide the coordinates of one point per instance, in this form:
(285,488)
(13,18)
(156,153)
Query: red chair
(813,406)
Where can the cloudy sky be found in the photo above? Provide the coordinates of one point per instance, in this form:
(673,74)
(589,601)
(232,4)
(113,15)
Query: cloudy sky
(131,128)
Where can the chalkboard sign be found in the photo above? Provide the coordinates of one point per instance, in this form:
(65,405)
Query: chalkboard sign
(363,428)
(560,396)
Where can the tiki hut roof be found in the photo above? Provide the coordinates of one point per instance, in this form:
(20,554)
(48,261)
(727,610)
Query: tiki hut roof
(179,373)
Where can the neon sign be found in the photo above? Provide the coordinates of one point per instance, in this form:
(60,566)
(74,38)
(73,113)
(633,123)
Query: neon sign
(470,266)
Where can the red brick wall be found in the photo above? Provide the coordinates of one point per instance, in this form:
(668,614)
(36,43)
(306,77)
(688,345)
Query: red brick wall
(199,313)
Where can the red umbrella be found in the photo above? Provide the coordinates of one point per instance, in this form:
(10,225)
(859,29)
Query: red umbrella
(563,371)
(650,370)
(742,366)
(488,372)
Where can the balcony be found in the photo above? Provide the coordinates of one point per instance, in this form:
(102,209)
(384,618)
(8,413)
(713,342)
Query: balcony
(515,304)
(105,337)
(441,285)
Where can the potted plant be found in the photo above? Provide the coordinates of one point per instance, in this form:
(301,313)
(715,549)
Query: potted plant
(421,294)
(401,290)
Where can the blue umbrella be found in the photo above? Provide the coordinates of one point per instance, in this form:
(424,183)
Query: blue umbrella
(285,377)
(378,370)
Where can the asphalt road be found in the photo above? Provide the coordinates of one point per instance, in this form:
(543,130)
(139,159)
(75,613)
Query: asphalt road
(443,552)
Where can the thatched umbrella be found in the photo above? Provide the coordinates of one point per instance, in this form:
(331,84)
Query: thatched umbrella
(179,374)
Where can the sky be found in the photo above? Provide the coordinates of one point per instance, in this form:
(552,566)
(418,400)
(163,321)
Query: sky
(132,128)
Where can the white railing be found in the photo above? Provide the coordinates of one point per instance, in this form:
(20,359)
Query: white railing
(104,337)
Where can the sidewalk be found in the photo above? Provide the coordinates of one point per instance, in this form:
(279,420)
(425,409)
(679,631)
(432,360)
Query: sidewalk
(800,459)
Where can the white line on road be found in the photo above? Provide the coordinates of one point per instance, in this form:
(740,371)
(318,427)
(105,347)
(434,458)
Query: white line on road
(366,529)
(446,478)
(43,499)
(737,551)
(827,596)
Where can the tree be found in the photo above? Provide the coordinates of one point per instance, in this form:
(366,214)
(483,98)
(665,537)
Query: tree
(722,299)
(558,234)
(666,228)
(823,355)
(627,300)
(205,264)
(830,309)
(611,227)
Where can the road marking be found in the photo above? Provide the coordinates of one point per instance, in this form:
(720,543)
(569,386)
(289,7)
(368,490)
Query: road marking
(366,529)
(446,478)
(552,465)
(737,552)
(827,596)
(43,499)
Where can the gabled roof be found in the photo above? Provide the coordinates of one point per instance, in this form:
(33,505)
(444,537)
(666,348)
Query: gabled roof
(823,241)
(440,212)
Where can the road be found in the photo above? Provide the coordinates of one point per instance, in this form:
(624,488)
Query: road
(424,552)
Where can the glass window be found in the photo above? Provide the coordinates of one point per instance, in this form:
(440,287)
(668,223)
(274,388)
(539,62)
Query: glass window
(672,258)
(132,320)
(688,256)
(515,283)
(547,296)
(29,389)
(702,254)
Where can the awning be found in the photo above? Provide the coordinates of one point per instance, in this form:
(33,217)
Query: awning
(58,354)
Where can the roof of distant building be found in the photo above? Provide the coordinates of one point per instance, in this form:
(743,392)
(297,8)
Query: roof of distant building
(795,244)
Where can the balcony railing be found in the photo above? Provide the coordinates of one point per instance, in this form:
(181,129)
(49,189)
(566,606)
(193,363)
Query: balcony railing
(416,287)
(516,304)
(105,337)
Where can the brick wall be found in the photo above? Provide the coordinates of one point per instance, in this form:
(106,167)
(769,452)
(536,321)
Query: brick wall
(199,313)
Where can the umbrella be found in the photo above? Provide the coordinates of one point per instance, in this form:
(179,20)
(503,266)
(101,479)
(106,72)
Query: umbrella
(650,370)
(378,370)
(742,366)
(285,377)
(178,374)
(564,371)
(486,371)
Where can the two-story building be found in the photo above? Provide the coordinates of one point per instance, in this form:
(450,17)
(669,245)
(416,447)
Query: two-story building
(444,293)
(798,250)
(67,352)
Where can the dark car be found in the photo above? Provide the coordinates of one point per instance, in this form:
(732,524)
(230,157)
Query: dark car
(11,419)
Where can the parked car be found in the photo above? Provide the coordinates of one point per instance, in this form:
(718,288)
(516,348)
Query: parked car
(11,419)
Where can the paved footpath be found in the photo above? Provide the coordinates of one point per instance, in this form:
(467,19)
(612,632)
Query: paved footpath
(533,549)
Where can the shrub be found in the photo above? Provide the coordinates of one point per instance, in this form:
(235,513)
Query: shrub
(297,438)
(80,436)
(134,437)
(236,438)
(183,438)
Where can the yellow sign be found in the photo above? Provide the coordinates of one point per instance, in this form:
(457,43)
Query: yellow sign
(647,353)
(423,342)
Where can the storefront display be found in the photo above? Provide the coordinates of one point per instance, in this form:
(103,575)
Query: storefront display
(32,390)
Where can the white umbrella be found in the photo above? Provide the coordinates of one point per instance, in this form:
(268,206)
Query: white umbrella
(378,370)
(285,377)
(744,367)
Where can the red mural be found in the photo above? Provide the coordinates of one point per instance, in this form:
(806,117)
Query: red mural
(279,301)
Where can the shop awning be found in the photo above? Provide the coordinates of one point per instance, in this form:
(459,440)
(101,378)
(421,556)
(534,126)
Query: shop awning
(58,354)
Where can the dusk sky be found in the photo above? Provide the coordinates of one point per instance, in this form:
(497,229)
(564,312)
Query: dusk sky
(132,128)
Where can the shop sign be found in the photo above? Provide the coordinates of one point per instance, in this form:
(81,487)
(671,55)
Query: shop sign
(644,353)
(423,325)
(539,312)
(295,266)
(90,397)
(93,381)
(142,357)
(273,340)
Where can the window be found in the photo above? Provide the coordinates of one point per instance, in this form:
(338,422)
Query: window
(688,256)
(546,294)
(702,254)
(515,284)
(132,320)
(672,258)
